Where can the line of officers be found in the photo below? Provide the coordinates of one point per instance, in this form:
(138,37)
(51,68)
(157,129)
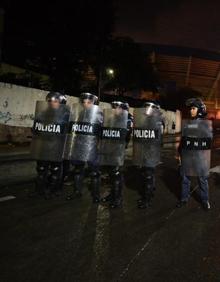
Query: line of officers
(94,140)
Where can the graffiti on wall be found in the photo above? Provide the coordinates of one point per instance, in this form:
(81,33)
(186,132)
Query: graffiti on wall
(5,117)
(5,104)
(26,117)
(17,106)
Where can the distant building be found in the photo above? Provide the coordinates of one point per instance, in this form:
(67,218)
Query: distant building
(180,67)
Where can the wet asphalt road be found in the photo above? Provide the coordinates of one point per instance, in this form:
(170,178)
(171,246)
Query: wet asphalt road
(59,241)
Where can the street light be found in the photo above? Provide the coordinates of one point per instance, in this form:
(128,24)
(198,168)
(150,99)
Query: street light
(110,71)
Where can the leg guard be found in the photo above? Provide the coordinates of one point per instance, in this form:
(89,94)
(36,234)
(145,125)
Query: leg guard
(78,182)
(147,188)
(55,184)
(95,185)
(116,189)
(42,174)
(66,169)
(78,178)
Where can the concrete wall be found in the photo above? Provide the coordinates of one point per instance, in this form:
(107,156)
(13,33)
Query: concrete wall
(17,106)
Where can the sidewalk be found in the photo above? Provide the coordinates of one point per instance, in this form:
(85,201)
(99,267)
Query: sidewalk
(14,152)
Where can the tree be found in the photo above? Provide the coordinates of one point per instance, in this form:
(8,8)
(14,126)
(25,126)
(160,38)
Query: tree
(60,38)
(131,67)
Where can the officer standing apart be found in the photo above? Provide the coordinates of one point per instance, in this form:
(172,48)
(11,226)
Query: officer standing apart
(82,144)
(195,152)
(49,133)
(112,149)
(147,132)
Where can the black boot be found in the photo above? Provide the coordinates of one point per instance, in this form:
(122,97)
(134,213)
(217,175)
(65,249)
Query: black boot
(146,200)
(41,181)
(116,193)
(206,205)
(181,203)
(141,191)
(147,188)
(78,177)
(55,187)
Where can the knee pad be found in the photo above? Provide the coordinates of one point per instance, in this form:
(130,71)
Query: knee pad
(55,169)
(116,174)
(41,171)
(148,175)
(95,174)
(55,172)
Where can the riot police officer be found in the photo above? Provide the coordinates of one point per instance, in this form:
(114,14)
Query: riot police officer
(82,144)
(112,149)
(195,152)
(147,133)
(49,133)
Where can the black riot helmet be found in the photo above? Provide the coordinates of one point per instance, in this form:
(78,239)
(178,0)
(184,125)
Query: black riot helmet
(199,104)
(152,108)
(117,104)
(126,106)
(88,96)
(52,96)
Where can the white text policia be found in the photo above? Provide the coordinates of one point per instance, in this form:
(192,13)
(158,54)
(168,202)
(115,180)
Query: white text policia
(52,128)
(141,133)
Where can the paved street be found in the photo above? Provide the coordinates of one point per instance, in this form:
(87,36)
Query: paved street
(58,240)
(91,92)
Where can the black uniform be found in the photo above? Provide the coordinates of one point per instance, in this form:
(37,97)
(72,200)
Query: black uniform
(82,145)
(49,133)
(112,149)
(147,133)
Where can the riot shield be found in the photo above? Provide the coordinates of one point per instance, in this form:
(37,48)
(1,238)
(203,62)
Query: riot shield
(113,135)
(49,131)
(196,147)
(83,133)
(147,133)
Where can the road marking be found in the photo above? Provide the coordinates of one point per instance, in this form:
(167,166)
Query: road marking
(7,198)
(170,214)
(139,253)
(194,189)
(135,258)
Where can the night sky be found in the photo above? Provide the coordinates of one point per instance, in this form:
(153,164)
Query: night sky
(190,23)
